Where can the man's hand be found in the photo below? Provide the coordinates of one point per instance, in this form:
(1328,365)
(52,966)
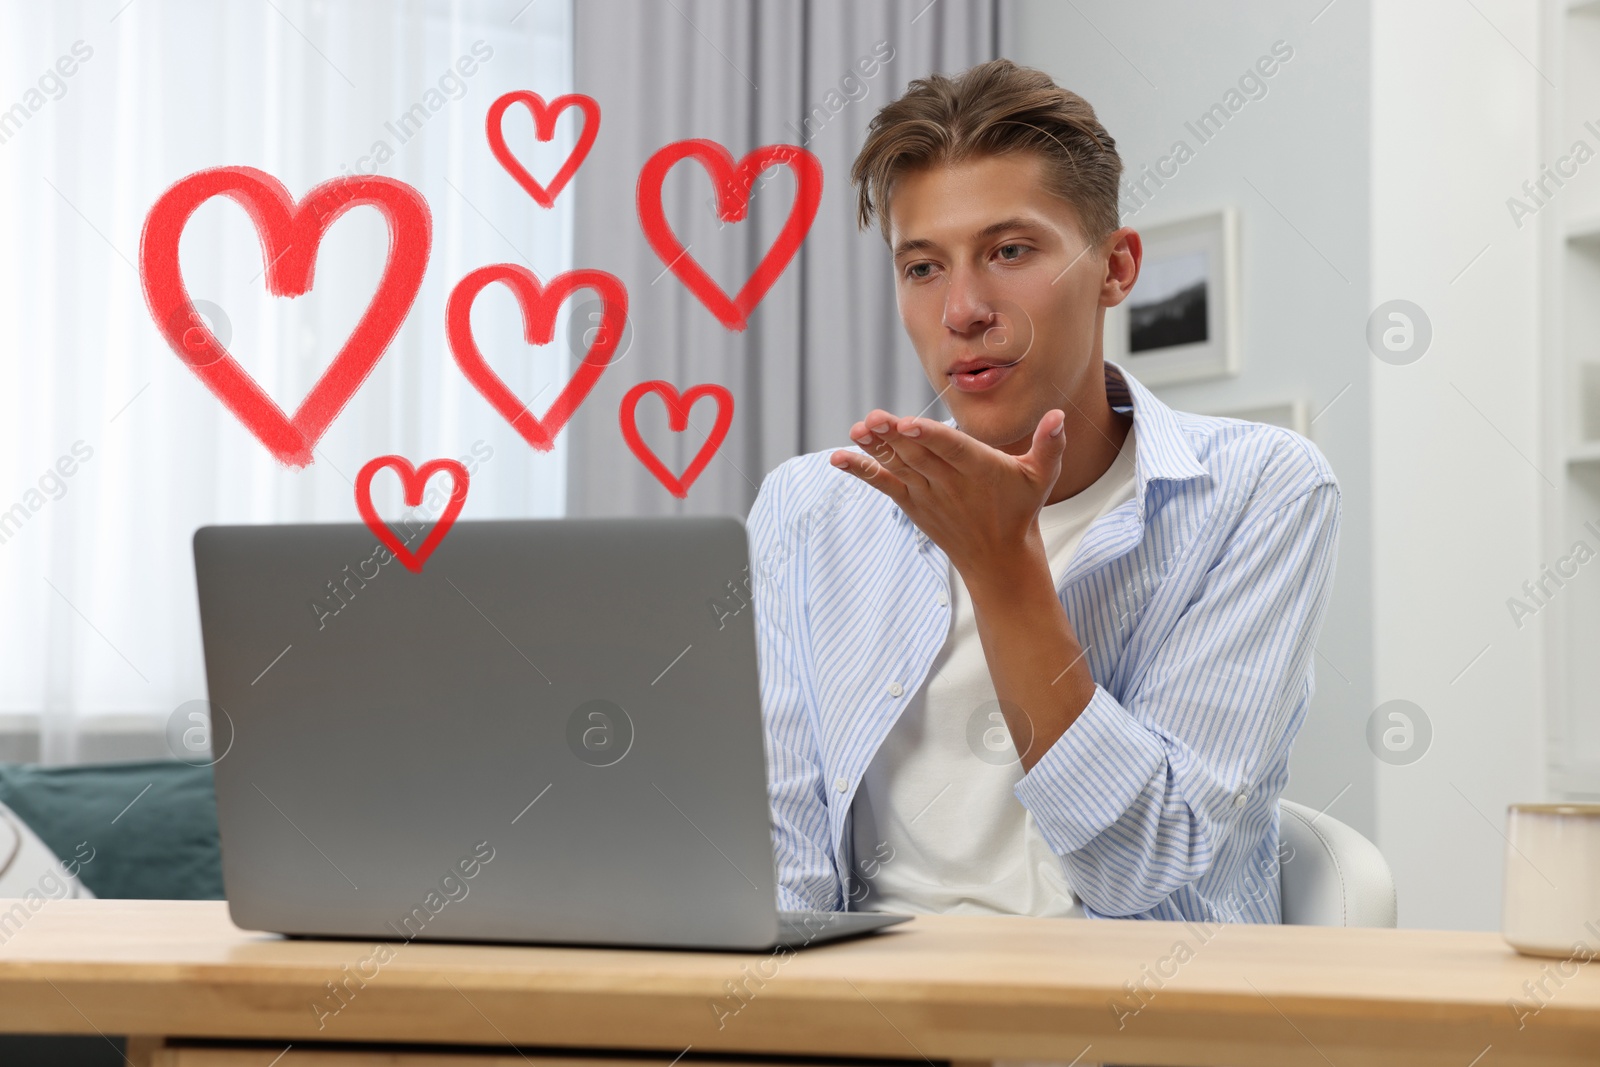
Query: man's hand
(981,505)
(977,503)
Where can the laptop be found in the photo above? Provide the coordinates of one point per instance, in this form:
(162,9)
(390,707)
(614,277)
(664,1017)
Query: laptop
(551,734)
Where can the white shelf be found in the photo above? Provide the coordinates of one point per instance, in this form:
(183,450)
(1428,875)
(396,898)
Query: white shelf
(1588,452)
(1570,308)
(1584,230)
(1575,783)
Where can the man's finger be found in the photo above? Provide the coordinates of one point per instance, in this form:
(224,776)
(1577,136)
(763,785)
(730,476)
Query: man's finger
(874,435)
(948,443)
(876,422)
(1049,443)
(892,461)
(928,465)
(873,473)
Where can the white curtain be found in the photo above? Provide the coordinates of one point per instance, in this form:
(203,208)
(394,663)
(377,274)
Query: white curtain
(825,346)
(112,451)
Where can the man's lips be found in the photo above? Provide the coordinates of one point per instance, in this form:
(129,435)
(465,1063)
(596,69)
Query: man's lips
(981,378)
(969,366)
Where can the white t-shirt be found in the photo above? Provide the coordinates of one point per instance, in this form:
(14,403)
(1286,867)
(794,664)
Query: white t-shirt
(935,824)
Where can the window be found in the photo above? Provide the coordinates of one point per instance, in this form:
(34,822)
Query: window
(112,451)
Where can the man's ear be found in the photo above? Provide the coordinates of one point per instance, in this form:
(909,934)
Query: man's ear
(1124,254)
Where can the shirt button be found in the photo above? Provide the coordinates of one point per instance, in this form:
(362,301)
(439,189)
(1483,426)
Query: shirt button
(841,785)
(894,689)
(943,598)
(1240,800)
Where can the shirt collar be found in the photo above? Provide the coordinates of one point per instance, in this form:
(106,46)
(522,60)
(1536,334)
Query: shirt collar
(1161,448)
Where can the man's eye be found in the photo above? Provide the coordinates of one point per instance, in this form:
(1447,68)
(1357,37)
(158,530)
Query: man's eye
(1012,251)
(916,270)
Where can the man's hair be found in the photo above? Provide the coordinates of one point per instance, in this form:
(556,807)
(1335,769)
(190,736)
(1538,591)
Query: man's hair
(996,108)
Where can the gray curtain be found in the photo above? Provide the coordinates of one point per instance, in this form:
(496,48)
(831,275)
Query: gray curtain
(825,346)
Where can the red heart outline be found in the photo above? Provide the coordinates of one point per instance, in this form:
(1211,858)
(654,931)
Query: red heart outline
(544,128)
(678,420)
(413,482)
(539,305)
(290,235)
(733,184)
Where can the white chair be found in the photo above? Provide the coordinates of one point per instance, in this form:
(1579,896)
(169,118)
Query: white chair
(1330,875)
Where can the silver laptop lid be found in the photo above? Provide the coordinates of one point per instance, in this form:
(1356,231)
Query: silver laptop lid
(552,733)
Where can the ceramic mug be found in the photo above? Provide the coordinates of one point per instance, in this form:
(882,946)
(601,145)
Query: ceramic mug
(1552,881)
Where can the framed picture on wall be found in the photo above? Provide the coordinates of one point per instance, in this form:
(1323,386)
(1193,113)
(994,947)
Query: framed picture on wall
(1181,321)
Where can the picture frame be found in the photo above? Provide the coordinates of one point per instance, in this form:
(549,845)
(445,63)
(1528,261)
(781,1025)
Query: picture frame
(1181,321)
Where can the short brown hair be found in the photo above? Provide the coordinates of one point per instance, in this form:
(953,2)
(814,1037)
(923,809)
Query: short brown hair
(994,108)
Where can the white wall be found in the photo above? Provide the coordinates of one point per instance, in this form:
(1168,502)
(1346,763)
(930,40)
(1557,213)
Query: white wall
(1294,163)
(1455,435)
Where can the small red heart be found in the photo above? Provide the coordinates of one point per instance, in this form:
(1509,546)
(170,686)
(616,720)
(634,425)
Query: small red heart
(539,305)
(678,419)
(413,482)
(733,203)
(544,124)
(290,236)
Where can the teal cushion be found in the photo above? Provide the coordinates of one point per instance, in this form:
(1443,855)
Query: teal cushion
(152,825)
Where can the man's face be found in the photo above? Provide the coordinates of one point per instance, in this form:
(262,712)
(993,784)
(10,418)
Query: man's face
(991,268)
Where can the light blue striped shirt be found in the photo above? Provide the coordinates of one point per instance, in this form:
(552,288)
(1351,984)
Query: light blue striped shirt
(1197,603)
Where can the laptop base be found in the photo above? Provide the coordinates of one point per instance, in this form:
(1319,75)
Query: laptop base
(797,929)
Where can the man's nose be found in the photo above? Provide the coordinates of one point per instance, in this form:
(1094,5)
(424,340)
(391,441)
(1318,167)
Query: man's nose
(967,307)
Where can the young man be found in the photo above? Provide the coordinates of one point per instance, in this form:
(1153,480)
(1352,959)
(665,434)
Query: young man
(1047,657)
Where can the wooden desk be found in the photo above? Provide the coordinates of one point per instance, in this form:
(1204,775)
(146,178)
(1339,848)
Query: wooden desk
(938,988)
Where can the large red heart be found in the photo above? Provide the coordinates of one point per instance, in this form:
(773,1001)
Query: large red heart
(544,125)
(733,204)
(678,419)
(539,304)
(413,482)
(290,236)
